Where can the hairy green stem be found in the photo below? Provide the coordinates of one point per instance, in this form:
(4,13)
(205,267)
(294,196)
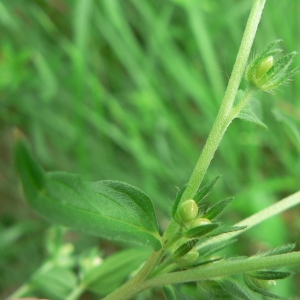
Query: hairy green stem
(224,268)
(221,122)
(127,290)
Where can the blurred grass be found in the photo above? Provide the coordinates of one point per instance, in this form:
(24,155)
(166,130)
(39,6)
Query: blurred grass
(128,90)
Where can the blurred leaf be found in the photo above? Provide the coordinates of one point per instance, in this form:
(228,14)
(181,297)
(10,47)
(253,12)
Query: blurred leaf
(292,129)
(234,289)
(172,293)
(269,275)
(110,274)
(55,282)
(109,209)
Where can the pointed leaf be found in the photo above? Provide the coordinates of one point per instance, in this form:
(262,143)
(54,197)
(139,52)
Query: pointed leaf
(217,208)
(225,229)
(252,113)
(184,248)
(234,289)
(112,210)
(200,230)
(269,275)
(177,201)
(261,291)
(204,191)
(279,250)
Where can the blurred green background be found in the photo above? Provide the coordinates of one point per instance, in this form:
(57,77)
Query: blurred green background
(128,90)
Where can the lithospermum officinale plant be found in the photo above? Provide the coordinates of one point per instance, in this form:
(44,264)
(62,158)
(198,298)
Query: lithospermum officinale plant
(187,251)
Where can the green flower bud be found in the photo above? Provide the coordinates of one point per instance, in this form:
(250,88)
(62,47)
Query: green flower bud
(264,66)
(265,74)
(198,222)
(263,284)
(187,211)
(188,259)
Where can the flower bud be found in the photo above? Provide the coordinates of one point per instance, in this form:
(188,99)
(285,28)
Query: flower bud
(264,284)
(264,66)
(187,211)
(199,222)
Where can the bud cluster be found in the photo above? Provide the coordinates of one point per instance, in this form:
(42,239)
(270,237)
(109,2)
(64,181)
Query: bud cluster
(266,75)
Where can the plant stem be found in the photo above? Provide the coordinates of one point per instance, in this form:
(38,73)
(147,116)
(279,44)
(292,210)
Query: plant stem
(224,268)
(76,293)
(20,292)
(130,288)
(221,122)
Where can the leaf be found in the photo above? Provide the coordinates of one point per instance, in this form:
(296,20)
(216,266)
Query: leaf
(184,248)
(172,293)
(269,275)
(261,291)
(200,230)
(279,250)
(292,129)
(204,191)
(109,209)
(234,289)
(115,269)
(217,208)
(177,201)
(225,229)
(251,112)
(56,282)
(211,249)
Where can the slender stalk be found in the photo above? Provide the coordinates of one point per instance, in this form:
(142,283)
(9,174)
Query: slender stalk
(221,122)
(127,290)
(20,292)
(223,268)
(76,293)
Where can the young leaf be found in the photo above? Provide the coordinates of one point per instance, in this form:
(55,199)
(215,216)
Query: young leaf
(234,289)
(204,191)
(225,229)
(172,293)
(269,275)
(211,249)
(279,250)
(177,201)
(200,230)
(184,248)
(252,286)
(217,208)
(114,270)
(112,210)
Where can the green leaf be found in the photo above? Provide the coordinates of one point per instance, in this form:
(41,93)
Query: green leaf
(225,229)
(109,209)
(234,289)
(270,275)
(292,129)
(172,293)
(114,270)
(204,191)
(177,201)
(217,208)
(184,248)
(200,230)
(55,282)
(251,112)
(279,250)
(211,249)
(261,291)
